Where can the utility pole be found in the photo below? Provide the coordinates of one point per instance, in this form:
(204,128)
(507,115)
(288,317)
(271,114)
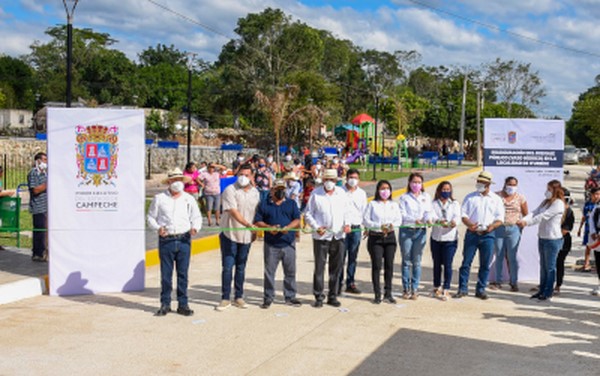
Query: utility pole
(69,47)
(478,128)
(461,137)
(190,66)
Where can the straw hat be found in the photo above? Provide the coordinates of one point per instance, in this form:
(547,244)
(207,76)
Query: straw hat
(330,174)
(176,174)
(485,177)
(291,176)
(279,183)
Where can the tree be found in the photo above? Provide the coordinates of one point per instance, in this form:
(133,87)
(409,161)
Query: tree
(584,126)
(162,54)
(16,79)
(515,82)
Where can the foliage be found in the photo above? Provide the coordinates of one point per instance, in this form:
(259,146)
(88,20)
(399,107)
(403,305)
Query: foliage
(584,126)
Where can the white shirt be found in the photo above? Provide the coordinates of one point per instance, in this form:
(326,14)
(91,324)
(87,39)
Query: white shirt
(549,218)
(450,211)
(177,215)
(329,211)
(483,209)
(358,203)
(380,213)
(415,208)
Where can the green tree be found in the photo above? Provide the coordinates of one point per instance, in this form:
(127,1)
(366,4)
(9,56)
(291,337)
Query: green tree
(584,126)
(16,79)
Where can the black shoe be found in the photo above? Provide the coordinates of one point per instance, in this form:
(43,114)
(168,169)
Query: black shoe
(318,304)
(459,295)
(266,304)
(352,289)
(38,258)
(164,309)
(482,295)
(293,302)
(390,299)
(185,311)
(536,295)
(377,300)
(333,302)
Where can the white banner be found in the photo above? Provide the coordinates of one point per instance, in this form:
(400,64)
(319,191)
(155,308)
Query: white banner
(95,200)
(532,151)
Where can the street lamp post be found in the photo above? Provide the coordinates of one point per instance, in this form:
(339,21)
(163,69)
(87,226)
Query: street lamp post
(375,138)
(70,13)
(189,107)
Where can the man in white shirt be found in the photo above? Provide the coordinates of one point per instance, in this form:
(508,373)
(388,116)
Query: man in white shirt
(240,201)
(482,213)
(327,214)
(358,203)
(174,214)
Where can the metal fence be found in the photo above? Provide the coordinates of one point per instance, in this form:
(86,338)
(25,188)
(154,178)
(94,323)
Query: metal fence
(15,170)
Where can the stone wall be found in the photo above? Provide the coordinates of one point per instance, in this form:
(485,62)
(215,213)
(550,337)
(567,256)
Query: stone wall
(161,160)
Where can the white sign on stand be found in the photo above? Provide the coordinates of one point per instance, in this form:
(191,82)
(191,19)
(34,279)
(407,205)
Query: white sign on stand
(95,200)
(532,151)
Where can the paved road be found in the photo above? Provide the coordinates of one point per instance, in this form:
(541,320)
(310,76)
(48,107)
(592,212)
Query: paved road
(117,333)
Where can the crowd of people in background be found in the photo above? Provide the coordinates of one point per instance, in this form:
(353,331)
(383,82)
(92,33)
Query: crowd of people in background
(322,195)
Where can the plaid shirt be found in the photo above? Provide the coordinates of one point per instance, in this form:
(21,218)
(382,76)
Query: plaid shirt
(37,203)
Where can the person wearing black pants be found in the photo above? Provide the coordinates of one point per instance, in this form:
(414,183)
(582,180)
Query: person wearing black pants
(381,216)
(444,238)
(566,228)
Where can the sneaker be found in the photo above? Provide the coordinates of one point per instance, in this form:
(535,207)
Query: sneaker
(164,309)
(390,299)
(414,295)
(293,302)
(377,300)
(352,289)
(223,305)
(514,288)
(444,296)
(240,303)
(482,295)
(405,295)
(436,293)
(495,286)
(185,311)
(266,304)
(318,304)
(38,259)
(536,295)
(333,302)
(596,291)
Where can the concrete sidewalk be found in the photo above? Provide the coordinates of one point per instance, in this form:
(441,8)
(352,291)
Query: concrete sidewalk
(118,334)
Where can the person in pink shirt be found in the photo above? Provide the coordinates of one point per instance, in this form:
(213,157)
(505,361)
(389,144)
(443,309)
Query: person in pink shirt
(194,185)
(212,191)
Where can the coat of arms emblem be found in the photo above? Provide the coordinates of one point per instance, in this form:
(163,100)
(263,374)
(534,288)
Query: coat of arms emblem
(97,150)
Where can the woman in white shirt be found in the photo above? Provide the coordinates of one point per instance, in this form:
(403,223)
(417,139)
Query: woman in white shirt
(381,216)
(415,207)
(444,237)
(549,216)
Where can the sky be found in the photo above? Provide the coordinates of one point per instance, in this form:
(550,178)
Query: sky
(559,38)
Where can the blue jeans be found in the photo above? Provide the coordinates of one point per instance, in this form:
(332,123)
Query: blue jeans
(412,241)
(233,254)
(507,244)
(174,251)
(548,249)
(352,244)
(485,244)
(443,255)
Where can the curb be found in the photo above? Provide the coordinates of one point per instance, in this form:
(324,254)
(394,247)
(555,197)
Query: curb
(22,289)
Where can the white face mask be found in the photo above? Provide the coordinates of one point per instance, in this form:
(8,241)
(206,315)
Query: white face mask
(42,166)
(480,187)
(243,180)
(510,190)
(270,159)
(288,158)
(176,186)
(202,169)
(241,159)
(335,161)
(329,185)
(352,182)
(548,195)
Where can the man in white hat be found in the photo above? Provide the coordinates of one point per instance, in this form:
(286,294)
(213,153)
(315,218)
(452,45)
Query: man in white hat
(293,187)
(327,213)
(482,213)
(239,207)
(174,214)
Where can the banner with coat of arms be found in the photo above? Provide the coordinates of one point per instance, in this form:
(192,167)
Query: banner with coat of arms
(95,200)
(532,151)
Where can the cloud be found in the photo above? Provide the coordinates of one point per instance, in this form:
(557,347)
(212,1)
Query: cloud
(33,5)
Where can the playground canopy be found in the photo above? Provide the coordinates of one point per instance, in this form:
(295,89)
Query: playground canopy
(362,118)
(341,129)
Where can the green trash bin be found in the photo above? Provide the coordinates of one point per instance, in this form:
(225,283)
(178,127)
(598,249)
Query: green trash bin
(415,162)
(10,210)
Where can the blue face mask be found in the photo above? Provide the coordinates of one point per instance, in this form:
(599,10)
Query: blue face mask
(445,195)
